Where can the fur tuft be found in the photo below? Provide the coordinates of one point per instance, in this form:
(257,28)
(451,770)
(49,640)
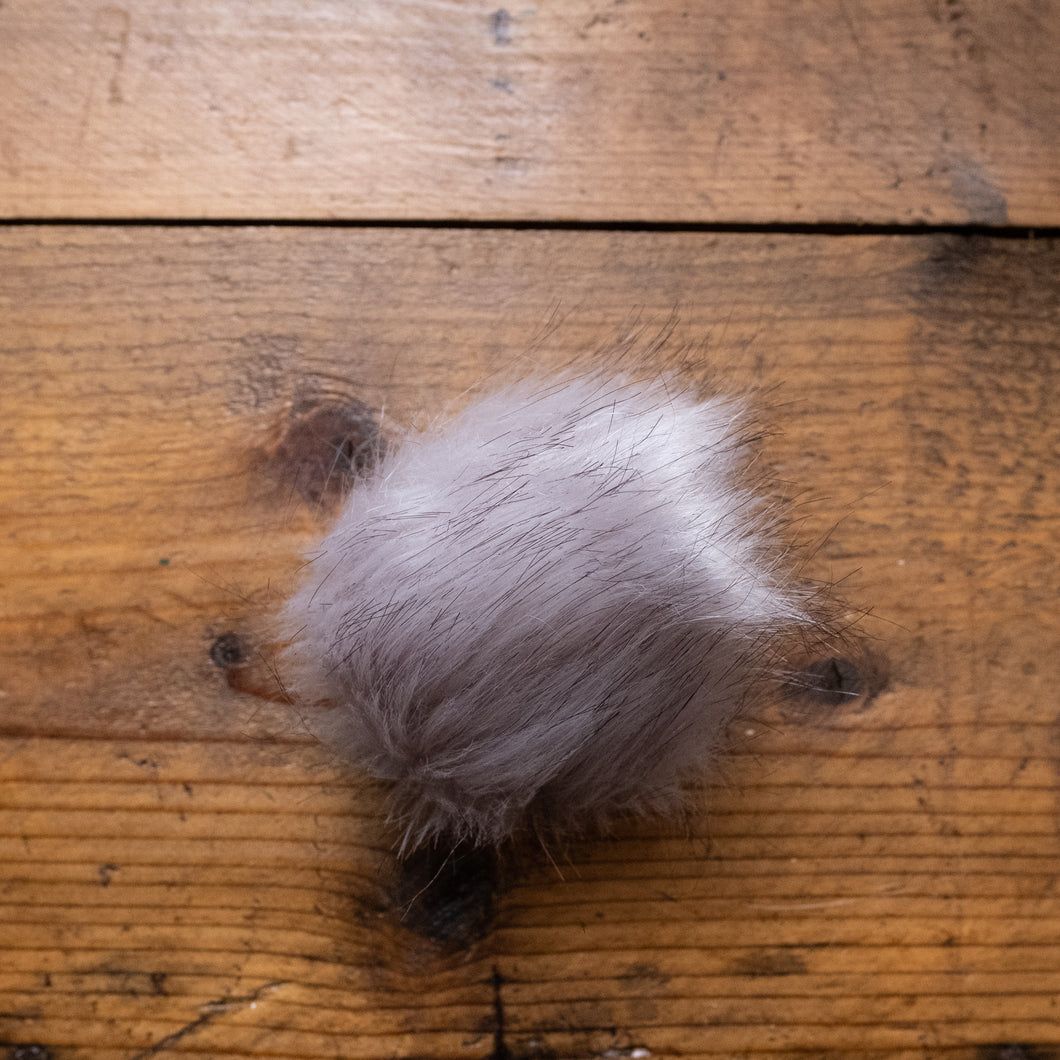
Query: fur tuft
(546,612)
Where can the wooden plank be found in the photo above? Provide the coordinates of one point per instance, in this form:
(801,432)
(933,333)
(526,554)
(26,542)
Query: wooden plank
(905,111)
(183,871)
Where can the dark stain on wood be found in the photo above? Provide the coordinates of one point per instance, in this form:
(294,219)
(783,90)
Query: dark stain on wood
(1016,1051)
(643,975)
(831,681)
(446,895)
(975,192)
(838,680)
(761,964)
(28,1051)
(326,446)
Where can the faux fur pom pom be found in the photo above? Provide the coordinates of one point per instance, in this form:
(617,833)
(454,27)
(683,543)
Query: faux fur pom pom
(546,612)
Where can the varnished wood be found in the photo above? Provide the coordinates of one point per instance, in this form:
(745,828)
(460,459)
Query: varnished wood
(183,872)
(902,111)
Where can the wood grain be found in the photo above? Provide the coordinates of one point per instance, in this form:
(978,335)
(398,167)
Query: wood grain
(183,872)
(903,111)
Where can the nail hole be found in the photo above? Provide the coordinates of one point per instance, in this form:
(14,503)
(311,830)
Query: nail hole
(228,650)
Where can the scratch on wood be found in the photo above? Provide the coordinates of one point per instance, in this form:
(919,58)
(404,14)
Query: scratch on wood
(207,1014)
(110,30)
(865,69)
(9,158)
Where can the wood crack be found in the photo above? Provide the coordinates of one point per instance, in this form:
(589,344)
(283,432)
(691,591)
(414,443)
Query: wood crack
(207,1014)
(500,1046)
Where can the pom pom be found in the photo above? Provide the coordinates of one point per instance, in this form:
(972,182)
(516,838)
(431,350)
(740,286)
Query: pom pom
(546,612)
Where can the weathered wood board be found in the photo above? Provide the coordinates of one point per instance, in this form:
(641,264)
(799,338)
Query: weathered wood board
(183,872)
(902,111)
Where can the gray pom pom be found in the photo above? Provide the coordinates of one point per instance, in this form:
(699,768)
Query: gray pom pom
(546,612)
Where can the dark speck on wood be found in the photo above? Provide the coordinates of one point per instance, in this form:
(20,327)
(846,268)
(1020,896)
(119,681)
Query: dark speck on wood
(1015,1051)
(501,27)
(29,1051)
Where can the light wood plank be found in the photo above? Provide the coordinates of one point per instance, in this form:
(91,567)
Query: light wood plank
(183,871)
(903,111)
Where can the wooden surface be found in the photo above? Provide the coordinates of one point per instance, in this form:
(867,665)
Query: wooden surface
(899,111)
(185,873)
